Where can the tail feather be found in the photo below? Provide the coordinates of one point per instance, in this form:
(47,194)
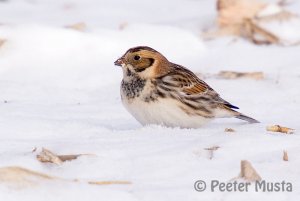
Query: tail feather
(246,118)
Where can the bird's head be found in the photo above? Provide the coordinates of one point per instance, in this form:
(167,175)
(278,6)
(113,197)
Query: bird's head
(144,62)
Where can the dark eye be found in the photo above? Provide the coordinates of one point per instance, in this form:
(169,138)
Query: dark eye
(136,57)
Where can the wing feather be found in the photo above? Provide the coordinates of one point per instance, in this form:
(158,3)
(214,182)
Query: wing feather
(187,84)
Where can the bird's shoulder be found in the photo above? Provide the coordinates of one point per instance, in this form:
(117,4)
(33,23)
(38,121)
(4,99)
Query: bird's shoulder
(185,80)
(189,85)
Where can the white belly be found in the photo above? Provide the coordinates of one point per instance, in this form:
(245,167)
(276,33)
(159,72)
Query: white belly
(163,112)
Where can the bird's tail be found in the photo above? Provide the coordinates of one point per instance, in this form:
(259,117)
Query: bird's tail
(246,118)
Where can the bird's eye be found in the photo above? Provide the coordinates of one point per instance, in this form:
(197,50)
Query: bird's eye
(136,57)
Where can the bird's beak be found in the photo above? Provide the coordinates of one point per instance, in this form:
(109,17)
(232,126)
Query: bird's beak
(119,61)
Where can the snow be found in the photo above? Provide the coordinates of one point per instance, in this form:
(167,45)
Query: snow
(60,90)
(270,9)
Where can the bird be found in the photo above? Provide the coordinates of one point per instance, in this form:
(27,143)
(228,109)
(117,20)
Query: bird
(157,91)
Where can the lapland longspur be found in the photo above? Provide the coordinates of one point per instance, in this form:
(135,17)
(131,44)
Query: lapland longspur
(157,91)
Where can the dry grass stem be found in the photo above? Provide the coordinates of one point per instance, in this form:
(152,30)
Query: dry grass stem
(211,151)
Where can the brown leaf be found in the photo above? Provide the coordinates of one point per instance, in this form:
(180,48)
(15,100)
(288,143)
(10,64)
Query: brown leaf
(236,75)
(245,18)
(19,177)
(248,172)
(233,12)
(285,156)
(230,130)
(2,41)
(46,156)
(281,129)
(34,150)
(257,34)
(80,26)
(69,157)
(123,25)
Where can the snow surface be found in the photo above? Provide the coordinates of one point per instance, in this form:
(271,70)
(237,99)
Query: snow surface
(60,90)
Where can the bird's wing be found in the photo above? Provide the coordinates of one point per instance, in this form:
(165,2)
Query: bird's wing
(188,85)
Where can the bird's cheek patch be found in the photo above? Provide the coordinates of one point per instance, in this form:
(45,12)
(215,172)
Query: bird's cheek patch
(144,64)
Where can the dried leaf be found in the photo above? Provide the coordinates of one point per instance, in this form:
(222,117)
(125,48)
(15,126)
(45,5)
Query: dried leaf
(233,12)
(230,130)
(280,129)
(285,156)
(248,172)
(235,75)
(46,156)
(123,25)
(257,34)
(246,18)
(69,157)
(34,150)
(2,41)
(20,177)
(80,26)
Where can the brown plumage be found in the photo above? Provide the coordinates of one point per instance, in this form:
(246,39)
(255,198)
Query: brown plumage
(157,91)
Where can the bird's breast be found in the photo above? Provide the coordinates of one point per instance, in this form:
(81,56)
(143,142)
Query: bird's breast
(132,88)
(149,108)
